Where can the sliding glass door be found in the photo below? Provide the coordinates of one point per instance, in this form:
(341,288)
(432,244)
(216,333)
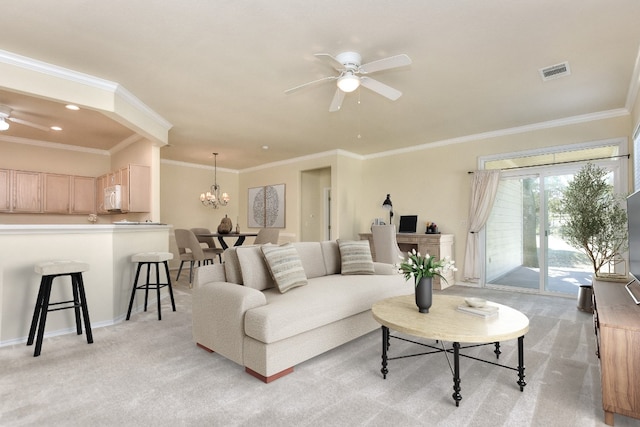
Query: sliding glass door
(524,247)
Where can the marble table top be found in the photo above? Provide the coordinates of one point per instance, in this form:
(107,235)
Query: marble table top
(444,322)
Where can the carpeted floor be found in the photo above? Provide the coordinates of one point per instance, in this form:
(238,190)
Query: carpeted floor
(146,372)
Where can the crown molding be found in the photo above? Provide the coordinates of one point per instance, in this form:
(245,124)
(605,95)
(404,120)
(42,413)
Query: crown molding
(53,145)
(196,166)
(584,118)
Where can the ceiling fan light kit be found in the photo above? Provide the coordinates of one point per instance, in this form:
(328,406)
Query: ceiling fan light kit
(352,75)
(348,82)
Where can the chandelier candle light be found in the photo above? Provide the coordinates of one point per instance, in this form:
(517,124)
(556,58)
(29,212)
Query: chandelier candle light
(212,198)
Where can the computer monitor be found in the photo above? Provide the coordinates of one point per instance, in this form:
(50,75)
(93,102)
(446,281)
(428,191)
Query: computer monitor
(408,223)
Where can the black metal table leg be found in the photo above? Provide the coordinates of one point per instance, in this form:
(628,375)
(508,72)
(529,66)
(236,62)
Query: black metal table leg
(456,373)
(240,241)
(521,381)
(223,244)
(385,346)
(497,350)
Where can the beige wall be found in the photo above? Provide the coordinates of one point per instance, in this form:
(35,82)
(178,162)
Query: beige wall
(180,188)
(434,184)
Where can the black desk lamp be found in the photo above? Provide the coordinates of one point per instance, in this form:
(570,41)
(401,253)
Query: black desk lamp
(388,205)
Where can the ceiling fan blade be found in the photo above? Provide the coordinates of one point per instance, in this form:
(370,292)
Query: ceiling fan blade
(386,63)
(380,88)
(293,89)
(336,103)
(337,65)
(30,124)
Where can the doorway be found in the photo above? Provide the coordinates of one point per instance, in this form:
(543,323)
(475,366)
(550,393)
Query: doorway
(315,205)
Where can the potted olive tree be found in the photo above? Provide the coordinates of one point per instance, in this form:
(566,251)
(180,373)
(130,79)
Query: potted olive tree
(595,223)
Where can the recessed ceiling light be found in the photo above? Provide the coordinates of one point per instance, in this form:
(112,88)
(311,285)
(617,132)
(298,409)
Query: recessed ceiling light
(56,128)
(72,107)
(265,147)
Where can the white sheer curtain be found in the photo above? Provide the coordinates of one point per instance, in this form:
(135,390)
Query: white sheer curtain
(483,193)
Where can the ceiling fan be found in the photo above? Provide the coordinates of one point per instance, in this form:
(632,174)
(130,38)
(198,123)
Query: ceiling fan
(5,114)
(354,74)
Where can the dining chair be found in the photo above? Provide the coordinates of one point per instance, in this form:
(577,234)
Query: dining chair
(211,247)
(385,244)
(190,251)
(267,235)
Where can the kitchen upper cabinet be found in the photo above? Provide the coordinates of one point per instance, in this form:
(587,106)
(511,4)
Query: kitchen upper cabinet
(83,195)
(27,192)
(135,188)
(5,190)
(67,194)
(57,195)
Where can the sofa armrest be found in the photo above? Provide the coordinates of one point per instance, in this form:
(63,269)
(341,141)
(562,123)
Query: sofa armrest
(209,273)
(218,316)
(385,269)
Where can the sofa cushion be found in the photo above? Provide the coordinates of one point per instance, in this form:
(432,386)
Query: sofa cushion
(355,256)
(331,255)
(232,266)
(285,266)
(322,301)
(312,258)
(255,273)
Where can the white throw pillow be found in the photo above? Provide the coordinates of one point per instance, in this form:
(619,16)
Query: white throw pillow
(285,266)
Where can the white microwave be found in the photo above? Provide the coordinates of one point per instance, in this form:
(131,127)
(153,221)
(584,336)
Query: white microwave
(113,198)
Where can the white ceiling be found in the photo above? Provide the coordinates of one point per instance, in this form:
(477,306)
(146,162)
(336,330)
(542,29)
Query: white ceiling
(217,70)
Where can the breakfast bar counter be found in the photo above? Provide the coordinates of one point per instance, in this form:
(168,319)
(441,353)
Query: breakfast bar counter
(106,248)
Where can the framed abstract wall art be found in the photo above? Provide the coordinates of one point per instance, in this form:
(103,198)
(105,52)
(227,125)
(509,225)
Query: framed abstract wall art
(266,206)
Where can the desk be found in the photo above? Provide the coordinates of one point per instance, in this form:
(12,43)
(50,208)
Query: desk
(436,245)
(239,240)
(445,323)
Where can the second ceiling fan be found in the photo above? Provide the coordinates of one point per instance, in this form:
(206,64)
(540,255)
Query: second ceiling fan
(353,74)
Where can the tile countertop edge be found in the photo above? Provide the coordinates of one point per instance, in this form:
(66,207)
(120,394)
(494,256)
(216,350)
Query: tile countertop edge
(79,228)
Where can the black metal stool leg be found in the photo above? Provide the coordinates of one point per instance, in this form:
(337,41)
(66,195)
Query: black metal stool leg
(37,311)
(157,288)
(166,269)
(85,310)
(146,287)
(43,315)
(76,303)
(133,291)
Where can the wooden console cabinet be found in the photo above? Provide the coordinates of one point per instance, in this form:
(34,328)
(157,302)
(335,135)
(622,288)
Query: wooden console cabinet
(436,245)
(617,326)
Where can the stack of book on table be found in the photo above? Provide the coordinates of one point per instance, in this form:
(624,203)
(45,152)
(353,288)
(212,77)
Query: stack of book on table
(486,311)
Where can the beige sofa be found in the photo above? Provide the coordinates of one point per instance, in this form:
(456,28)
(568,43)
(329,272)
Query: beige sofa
(242,315)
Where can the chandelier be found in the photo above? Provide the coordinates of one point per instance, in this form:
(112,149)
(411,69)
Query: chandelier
(212,198)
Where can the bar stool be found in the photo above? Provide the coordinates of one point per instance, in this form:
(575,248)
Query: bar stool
(49,271)
(149,258)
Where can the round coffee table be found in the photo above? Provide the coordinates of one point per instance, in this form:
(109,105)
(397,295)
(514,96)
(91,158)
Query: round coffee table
(445,322)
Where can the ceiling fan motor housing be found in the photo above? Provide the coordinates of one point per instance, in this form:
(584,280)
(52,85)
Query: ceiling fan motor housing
(350,60)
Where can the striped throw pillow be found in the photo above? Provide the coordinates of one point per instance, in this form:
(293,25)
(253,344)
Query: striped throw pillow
(355,256)
(285,266)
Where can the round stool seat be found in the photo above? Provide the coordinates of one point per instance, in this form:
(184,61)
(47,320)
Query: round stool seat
(52,268)
(152,257)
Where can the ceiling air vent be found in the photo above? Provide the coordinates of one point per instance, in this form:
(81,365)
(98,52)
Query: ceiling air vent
(555,71)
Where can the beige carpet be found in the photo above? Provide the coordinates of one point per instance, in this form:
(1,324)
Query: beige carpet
(146,372)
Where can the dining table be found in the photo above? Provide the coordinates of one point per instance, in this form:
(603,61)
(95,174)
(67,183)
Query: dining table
(240,237)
